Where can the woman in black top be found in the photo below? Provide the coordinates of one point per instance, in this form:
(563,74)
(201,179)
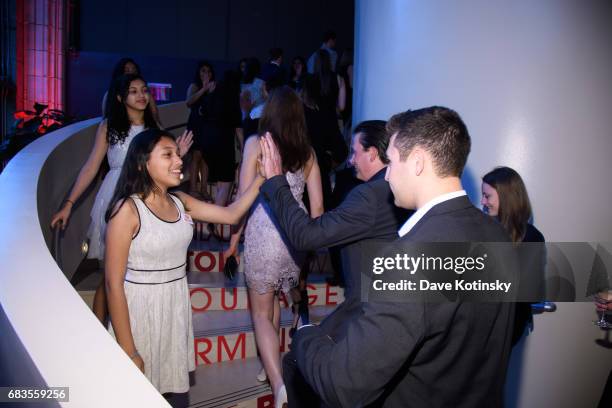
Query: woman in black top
(505,197)
(213,135)
(324,134)
(298,71)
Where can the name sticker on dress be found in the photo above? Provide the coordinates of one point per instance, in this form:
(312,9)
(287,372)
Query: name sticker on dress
(187,218)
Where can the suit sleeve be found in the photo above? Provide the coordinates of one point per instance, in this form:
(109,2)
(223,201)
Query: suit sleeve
(354,370)
(351,221)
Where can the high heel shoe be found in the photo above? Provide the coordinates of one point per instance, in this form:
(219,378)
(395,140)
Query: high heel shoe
(280,399)
(262,376)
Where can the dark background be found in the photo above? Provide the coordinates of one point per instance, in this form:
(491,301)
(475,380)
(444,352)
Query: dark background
(167,38)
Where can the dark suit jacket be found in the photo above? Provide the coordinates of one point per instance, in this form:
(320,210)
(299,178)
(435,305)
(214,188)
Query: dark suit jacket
(395,354)
(366,214)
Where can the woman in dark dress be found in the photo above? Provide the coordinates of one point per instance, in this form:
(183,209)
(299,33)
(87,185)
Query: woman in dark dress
(298,72)
(505,197)
(213,135)
(323,132)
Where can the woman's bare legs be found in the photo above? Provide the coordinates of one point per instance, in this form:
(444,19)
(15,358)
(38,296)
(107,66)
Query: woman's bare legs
(265,312)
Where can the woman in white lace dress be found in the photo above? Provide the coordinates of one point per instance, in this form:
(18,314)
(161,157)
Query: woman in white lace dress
(147,237)
(128,113)
(270,263)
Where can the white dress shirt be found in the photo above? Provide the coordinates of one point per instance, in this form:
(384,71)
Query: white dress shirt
(420,213)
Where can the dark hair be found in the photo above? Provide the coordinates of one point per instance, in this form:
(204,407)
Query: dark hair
(196,78)
(119,69)
(134,177)
(329,35)
(272,75)
(283,117)
(374,134)
(311,91)
(302,61)
(230,93)
(275,53)
(118,122)
(252,70)
(514,206)
(323,69)
(438,130)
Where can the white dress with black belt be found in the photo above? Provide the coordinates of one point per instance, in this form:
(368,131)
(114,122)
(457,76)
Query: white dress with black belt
(158,298)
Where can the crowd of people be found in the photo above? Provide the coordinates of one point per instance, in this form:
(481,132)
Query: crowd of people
(306,179)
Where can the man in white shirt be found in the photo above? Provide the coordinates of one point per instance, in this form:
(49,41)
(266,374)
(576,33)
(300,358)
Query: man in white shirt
(418,354)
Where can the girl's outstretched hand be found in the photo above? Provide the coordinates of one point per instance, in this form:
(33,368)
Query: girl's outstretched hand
(184,142)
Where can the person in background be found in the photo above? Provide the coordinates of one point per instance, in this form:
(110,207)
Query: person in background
(149,231)
(333,88)
(345,70)
(213,134)
(329,45)
(324,134)
(127,66)
(251,86)
(276,62)
(298,72)
(251,114)
(505,197)
(128,113)
(242,67)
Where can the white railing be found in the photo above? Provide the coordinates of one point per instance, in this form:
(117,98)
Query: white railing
(47,318)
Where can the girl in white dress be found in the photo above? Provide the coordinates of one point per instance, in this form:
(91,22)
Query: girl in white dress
(147,238)
(128,113)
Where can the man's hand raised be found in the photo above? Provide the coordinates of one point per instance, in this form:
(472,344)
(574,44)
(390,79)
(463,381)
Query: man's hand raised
(271,159)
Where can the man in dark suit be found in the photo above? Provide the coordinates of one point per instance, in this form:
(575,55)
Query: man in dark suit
(366,214)
(395,354)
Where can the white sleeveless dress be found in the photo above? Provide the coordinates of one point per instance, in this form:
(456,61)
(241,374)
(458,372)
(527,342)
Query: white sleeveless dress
(158,298)
(97,228)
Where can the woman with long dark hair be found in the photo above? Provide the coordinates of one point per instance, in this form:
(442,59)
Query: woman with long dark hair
(297,74)
(149,231)
(504,196)
(270,263)
(127,66)
(128,112)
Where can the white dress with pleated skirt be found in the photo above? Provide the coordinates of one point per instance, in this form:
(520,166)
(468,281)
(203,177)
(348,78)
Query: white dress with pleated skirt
(158,298)
(97,228)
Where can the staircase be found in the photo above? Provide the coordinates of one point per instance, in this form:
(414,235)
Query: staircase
(225,349)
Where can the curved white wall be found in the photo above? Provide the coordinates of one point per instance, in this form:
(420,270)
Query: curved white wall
(532,80)
(62,338)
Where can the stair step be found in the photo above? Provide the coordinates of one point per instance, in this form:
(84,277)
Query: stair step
(222,337)
(231,384)
(212,291)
